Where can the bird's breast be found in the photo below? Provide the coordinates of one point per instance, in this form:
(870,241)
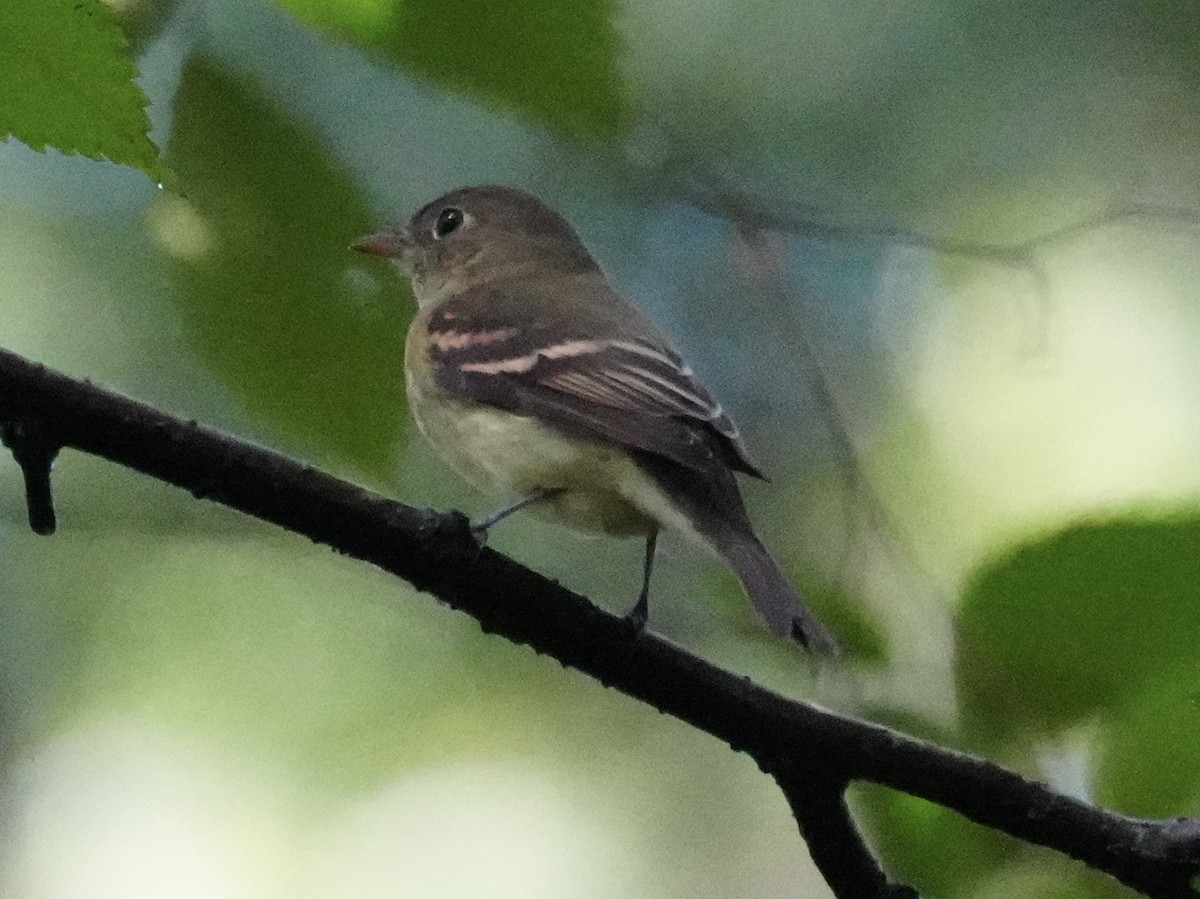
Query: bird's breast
(509,456)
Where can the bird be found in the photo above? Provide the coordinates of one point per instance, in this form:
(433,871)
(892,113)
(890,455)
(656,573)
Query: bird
(538,383)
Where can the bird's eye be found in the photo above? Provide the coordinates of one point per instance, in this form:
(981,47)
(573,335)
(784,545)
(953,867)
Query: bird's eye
(448,220)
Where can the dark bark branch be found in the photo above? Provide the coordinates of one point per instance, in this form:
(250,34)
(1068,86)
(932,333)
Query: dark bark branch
(818,803)
(437,553)
(34,452)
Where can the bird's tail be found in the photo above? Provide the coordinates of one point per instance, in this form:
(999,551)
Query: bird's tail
(776,600)
(710,502)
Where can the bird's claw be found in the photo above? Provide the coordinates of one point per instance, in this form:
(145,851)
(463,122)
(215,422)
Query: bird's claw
(479,532)
(637,616)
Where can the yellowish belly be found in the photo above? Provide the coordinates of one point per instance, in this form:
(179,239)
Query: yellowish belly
(510,456)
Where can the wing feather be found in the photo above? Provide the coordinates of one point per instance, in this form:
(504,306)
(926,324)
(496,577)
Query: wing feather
(628,390)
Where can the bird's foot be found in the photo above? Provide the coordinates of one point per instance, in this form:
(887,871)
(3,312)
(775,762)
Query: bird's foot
(637,616)
(479,531)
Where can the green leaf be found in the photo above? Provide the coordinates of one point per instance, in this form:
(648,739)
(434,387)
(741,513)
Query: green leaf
(1063,628)
(68,83)
(550,61)
(927,845)
(261,243)
(1150,757)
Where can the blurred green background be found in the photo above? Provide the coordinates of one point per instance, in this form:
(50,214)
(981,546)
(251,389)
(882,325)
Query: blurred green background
(984,469)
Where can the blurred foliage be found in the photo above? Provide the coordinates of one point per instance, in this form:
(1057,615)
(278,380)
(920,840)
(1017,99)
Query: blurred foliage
(546,60)
(1069,626)
(1149,756)
(142,20)
(264,228)
(1036,877)
(67,83)
(862,637)
(925,844)
(986,121)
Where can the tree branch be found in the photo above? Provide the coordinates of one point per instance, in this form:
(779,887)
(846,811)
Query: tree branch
(818,803)
(35,454)
(437,553)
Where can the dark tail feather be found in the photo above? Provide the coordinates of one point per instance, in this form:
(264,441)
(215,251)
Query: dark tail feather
(772,596)
(710,500)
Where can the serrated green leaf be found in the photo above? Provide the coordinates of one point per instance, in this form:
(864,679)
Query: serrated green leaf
(546,60)
(1063,628)
(67,83)
(264,229)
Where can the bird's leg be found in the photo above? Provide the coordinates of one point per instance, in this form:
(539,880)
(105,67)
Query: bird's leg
(481,527)
(641,609)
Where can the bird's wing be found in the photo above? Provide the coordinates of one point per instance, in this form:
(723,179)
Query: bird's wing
(586,375)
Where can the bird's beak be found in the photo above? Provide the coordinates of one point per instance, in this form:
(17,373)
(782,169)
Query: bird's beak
(388,244)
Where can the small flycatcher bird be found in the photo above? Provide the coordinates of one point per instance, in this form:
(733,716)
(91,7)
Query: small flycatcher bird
(538,383)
